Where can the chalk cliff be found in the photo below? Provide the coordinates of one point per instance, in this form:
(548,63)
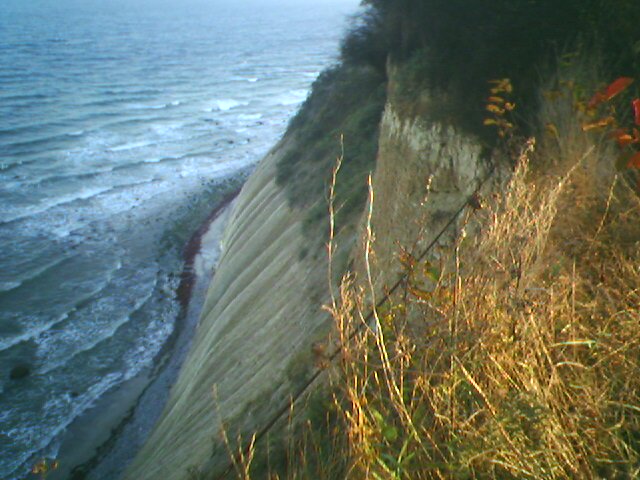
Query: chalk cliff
(263,309)
(256,319)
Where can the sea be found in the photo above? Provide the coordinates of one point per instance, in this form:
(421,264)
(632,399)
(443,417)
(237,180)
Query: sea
(122,123)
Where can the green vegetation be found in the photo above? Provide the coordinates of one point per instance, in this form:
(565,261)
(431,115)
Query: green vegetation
(346,102)
(517,355)
(304,448)
(465,43)
(450,48)
(521,359)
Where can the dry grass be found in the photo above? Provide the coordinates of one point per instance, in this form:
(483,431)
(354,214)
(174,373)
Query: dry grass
(515,357)
(304,448)
(521,360)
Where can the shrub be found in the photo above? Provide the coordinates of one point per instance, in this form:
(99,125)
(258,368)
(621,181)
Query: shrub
(467,42)
(346,102)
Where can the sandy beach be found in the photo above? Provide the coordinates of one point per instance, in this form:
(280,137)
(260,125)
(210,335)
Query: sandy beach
(101,442)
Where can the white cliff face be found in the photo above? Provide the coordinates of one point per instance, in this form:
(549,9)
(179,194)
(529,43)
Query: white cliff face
(257,319)
(424,173)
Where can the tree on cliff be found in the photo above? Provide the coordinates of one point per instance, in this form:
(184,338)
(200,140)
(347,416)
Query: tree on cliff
(464,43)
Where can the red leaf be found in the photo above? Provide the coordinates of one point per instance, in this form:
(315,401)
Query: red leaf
(636,110)
(617,86)
(596,100)
(634,161)
(623,138)
(611,91)
(617,133)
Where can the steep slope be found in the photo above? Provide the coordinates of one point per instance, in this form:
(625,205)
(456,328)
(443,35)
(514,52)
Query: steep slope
(425,173)
(263,310)
(255,320)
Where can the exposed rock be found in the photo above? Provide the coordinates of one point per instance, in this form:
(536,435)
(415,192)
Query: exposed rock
(20,371)
(262,318)
(425,172)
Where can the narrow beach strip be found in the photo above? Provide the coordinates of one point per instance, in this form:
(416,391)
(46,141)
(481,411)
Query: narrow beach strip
(102,441)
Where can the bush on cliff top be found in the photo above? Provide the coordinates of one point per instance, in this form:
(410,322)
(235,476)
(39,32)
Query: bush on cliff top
(467,42)
(346,101)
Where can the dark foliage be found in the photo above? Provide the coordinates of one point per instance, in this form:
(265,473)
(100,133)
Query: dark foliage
(452,48)
(467,42)
(347,101)
(367,42)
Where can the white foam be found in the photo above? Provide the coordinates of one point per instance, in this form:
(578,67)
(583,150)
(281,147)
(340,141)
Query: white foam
(64,410)
(29,334)
(153,160)
(130,146)
(6,286)
(226,104)
(136,106)
(63,231)
(83,194)
(250,116)
(151,342)
(55,349)
(164,130)
(293,97)
(142,106)
(162,159)
(160,106)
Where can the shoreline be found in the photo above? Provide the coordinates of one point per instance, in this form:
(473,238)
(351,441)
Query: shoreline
(193,248)
(101,442)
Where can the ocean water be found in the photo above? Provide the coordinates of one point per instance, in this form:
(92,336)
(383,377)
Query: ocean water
(120,123)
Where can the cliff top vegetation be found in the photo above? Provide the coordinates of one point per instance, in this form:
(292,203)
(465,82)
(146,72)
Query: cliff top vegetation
(450,48)
(516,355)
(461,44)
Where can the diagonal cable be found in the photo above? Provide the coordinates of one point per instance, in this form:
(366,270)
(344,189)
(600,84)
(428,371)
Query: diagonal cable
(281,412)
